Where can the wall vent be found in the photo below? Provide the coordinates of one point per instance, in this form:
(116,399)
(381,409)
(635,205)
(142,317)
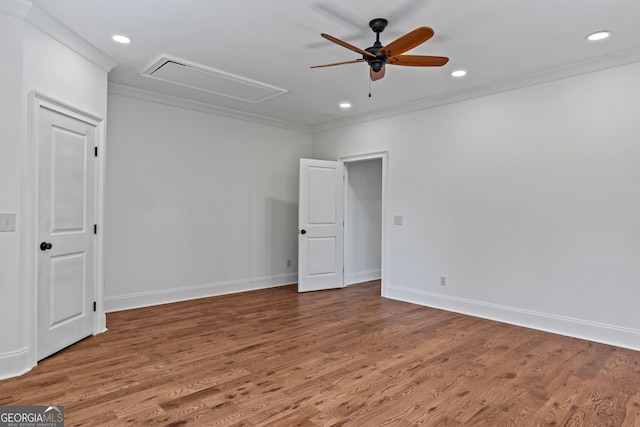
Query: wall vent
(210,80)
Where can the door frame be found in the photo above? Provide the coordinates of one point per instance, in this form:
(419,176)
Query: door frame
(29,239)
(384,156)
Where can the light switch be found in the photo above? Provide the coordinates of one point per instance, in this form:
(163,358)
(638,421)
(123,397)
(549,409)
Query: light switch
(7,222)
(397,220)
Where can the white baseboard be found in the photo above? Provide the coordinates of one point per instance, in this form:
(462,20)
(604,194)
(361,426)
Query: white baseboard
(576,328)
(165,296)
(14,364)
(361,276)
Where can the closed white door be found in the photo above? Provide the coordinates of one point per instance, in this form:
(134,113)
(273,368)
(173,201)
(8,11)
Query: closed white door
(320,225)
(66,239)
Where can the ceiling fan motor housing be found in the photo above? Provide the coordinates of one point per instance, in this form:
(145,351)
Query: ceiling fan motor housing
(378,62)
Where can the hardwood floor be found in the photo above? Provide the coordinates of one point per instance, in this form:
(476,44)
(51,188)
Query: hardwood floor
(332,358)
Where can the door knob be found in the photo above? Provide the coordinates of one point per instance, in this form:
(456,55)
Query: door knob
(303,231)
(45,246)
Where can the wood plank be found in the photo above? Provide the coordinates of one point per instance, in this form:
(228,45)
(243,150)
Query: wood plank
(342,357)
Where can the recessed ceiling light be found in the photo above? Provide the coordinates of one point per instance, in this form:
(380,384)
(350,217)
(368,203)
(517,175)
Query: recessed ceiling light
(600,35)
(121,39)
(345,105)
(459,73)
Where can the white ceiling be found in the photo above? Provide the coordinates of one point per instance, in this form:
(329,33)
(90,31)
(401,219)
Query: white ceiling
(501,43)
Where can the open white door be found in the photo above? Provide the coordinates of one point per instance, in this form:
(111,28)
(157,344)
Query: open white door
(320,225)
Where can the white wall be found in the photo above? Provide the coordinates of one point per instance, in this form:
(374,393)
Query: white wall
(527,201)
(363,246)
(197,204)
(33,62)
(11,141)
(58,72)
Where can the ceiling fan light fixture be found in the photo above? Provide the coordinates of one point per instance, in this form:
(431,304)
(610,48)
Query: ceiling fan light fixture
(598,35)
(459,73)
(119,38)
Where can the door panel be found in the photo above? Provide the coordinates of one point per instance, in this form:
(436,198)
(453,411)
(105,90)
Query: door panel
(68,178)
(322,195)
(321,255)
(320,238)
(66,214)
(67,288)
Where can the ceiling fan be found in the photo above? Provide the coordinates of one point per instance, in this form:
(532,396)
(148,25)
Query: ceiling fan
(377,56)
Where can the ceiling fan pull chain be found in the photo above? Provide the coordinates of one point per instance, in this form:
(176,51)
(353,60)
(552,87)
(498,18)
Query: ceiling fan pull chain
(369,86)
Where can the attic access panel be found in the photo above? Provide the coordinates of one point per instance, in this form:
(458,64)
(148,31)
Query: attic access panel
(211,80)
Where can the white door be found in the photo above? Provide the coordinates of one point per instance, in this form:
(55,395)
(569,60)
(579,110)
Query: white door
(320,225)
(66,239)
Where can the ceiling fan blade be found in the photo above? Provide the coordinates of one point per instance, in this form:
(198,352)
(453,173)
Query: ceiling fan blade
(377,76)
(418,60)
(347,45)
(408,41)
(338,63)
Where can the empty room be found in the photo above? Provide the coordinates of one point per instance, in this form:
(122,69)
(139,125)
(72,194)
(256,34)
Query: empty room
(320,213)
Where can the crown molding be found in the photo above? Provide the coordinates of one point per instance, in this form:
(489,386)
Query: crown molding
(545,76)
(35,16)
(174,101)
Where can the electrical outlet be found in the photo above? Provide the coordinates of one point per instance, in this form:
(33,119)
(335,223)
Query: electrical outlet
(7,222)
(443,280)
(397,220)
(288,263)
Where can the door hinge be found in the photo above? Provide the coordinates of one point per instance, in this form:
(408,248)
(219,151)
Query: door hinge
(95,228)
(96,151)
(95,306)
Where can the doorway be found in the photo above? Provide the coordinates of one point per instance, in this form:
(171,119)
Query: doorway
(365,191)
(324,193)
(363,221)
